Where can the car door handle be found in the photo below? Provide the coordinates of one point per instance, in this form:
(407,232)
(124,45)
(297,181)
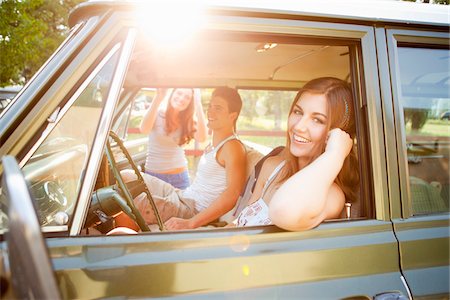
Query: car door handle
(392,295)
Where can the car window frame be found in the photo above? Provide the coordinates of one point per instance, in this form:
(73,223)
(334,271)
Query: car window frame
(78,67)
(365,85)
(398,160)
(33,97)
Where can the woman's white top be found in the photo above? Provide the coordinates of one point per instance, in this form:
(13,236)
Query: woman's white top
(257,213)
(210,180)
(163,151)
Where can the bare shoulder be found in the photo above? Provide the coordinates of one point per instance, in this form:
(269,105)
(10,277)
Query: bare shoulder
(232,151)
(234,147)
(269,165)
(273,161)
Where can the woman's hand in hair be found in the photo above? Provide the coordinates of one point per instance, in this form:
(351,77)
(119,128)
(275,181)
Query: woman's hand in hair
(339,142)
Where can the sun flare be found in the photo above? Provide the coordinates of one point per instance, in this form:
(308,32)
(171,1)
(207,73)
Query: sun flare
(171,23)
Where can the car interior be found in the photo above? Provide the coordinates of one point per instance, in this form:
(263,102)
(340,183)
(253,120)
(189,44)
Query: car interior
(270,67)
(267,70)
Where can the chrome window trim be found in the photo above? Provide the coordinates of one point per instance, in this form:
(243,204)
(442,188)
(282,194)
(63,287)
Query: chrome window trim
(388,122)
(34,86)
(376,129)
(68,105)
(102,134)
(61,87)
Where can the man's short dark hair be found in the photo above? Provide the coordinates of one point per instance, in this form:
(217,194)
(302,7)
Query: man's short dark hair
(231,96)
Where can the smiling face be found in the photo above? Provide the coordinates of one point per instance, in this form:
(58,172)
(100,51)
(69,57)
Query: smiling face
(307,126)
(181,98)
(219,115)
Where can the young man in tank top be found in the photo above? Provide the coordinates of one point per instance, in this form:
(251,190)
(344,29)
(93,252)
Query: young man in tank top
(219,179)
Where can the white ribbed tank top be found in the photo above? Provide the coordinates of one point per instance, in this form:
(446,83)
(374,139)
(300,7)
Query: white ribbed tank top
(210,180)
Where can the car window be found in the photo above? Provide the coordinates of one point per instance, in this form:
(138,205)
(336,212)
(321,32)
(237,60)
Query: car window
(261,124)
(263,118)
(267,84)
(425,97)
(55,170)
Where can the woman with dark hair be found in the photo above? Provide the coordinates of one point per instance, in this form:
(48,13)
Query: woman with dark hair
(169,128)
(315,175)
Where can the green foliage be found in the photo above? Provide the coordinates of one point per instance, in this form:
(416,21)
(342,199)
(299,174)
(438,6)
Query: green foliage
(30,30)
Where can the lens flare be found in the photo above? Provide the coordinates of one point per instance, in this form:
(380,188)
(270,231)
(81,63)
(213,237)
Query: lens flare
(170,23)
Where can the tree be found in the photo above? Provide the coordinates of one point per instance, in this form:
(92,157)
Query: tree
(30,30)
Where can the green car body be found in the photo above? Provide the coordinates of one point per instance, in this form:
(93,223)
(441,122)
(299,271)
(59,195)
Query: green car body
(392,246)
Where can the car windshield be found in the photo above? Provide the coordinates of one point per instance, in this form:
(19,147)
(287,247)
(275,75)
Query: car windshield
(57,167)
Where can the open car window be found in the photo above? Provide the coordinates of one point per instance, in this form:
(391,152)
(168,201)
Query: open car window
(56,169)
(268,80)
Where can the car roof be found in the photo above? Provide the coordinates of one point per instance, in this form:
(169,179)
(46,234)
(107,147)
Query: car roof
(294,61)
(378,11)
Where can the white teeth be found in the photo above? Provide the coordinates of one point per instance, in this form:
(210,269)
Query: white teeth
(300,139)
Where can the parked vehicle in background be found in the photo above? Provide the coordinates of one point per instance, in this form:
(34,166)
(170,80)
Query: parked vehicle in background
(7,94)
(445,115)
(69,127)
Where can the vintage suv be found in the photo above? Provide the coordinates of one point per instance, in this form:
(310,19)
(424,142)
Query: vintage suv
(62,138)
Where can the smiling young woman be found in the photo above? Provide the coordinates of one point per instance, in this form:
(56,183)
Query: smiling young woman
(317,165)
(170,128)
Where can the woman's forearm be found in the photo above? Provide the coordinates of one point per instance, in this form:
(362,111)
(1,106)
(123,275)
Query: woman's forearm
(150,116)
(301,199)
(201,133)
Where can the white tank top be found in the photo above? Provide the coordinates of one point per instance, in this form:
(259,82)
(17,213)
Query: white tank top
(257,213)
(163,151)
(210,180)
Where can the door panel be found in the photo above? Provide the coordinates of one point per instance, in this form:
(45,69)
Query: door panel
(335,260)
(424,248)
(418,63)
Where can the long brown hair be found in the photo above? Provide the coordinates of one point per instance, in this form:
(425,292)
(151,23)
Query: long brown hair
(185,120)
(340,112)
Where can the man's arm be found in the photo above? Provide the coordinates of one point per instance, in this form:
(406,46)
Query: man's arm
(233,157)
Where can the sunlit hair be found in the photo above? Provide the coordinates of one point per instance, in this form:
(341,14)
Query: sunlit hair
(232,97)
(184,121)
(340,112)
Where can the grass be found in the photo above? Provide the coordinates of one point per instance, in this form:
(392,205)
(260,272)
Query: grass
(431,128)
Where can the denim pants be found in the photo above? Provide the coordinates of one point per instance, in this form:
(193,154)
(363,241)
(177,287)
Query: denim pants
(180,180)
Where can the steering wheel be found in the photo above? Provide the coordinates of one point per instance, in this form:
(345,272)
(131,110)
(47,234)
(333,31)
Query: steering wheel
(125,188)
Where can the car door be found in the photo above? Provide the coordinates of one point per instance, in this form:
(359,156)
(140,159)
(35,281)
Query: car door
(418,63)
(338,259)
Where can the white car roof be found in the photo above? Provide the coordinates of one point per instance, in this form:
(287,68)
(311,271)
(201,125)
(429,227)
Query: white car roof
(384,11)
